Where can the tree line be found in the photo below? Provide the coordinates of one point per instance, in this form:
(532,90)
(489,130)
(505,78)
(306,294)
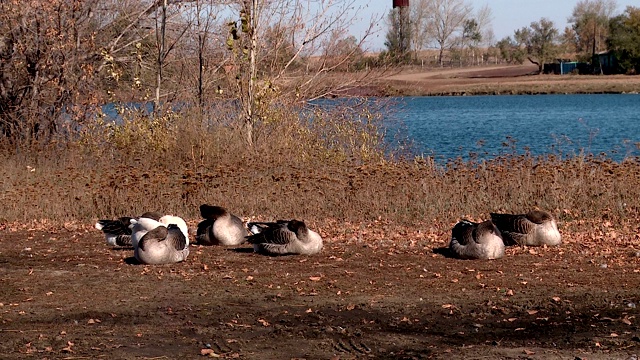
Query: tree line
(61,60)
(454,29)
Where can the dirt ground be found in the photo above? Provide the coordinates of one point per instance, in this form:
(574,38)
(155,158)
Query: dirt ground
(66,295)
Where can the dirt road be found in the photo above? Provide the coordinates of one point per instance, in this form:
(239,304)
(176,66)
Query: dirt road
(66,295)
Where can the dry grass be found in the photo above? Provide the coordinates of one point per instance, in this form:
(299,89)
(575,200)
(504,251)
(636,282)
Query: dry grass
(330,172)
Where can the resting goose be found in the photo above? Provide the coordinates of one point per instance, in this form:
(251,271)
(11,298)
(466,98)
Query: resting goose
(219,227)
(470,240)
(143,225)
(118,232)
(162,245)
(284,237)
(535,228)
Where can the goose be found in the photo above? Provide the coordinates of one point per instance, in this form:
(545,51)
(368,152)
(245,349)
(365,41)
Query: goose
(284,237)
(118,232)
(535,228)
(219,227)
(141,226)
(471,240)
(162,245)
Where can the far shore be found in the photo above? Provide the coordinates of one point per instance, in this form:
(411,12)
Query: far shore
(494,80)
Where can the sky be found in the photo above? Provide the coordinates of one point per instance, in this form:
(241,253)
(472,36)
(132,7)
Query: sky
(508,15)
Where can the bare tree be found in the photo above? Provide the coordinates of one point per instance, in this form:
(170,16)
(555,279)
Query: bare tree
(308,28)
(448,17)
(590,19)
(420,25)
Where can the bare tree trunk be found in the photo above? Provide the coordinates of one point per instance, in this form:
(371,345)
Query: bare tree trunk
(160,39)
(253,14)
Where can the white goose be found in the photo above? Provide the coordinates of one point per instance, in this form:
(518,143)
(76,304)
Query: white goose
(219,227)
(535,228)
(284,237)
(162,245)
(118,232)
(470,240)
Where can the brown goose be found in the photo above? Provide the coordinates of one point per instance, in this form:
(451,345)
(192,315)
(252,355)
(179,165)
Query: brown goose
(284,237)
(162,245)
(219,227)
(470,240)
(118,232)
(535,228)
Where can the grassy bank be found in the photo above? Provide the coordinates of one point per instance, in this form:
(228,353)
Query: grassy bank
(330,172)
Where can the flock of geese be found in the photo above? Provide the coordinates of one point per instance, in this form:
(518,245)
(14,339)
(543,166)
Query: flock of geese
(164,239)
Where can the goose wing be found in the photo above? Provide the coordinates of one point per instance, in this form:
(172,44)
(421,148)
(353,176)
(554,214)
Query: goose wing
(175,238)
(513,223)
(273,233)
(514,228)
(153,236)
(120,226)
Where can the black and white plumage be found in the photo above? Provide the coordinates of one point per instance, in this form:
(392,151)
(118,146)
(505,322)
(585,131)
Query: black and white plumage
(535,228)
(471,240)
(219,227)
(118,232)
(115,231)
(284,237)
(162,245)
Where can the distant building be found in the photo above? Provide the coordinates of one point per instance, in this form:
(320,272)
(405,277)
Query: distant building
(605,63)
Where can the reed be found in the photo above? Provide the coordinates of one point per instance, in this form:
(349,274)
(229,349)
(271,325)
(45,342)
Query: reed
(332,168)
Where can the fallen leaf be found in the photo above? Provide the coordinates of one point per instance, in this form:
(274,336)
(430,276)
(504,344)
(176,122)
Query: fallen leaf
(209,352)
(264,322)
(556,299)
(532,312)
(529,352)
(315,278)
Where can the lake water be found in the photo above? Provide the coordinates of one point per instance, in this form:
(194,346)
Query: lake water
(450,127)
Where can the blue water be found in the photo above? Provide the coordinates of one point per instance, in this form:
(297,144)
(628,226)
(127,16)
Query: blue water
(487,126)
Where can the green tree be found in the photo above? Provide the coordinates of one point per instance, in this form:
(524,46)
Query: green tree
(624,39)
(539,41)
(510,51)
(398,38)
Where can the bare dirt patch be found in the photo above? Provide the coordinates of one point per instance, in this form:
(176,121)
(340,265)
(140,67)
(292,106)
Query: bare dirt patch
(65,294)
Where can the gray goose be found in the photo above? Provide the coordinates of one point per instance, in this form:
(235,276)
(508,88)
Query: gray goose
(162,245)
(118,232)
(535,228)
(143,225)
(284,237)
(471,240)
(219,227)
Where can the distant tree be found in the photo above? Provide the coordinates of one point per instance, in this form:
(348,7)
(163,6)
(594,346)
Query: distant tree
(448,21)
(398,39)
(421,26)
(590,19)
(471,36)
(539,41)
(624,39)
(510,51)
